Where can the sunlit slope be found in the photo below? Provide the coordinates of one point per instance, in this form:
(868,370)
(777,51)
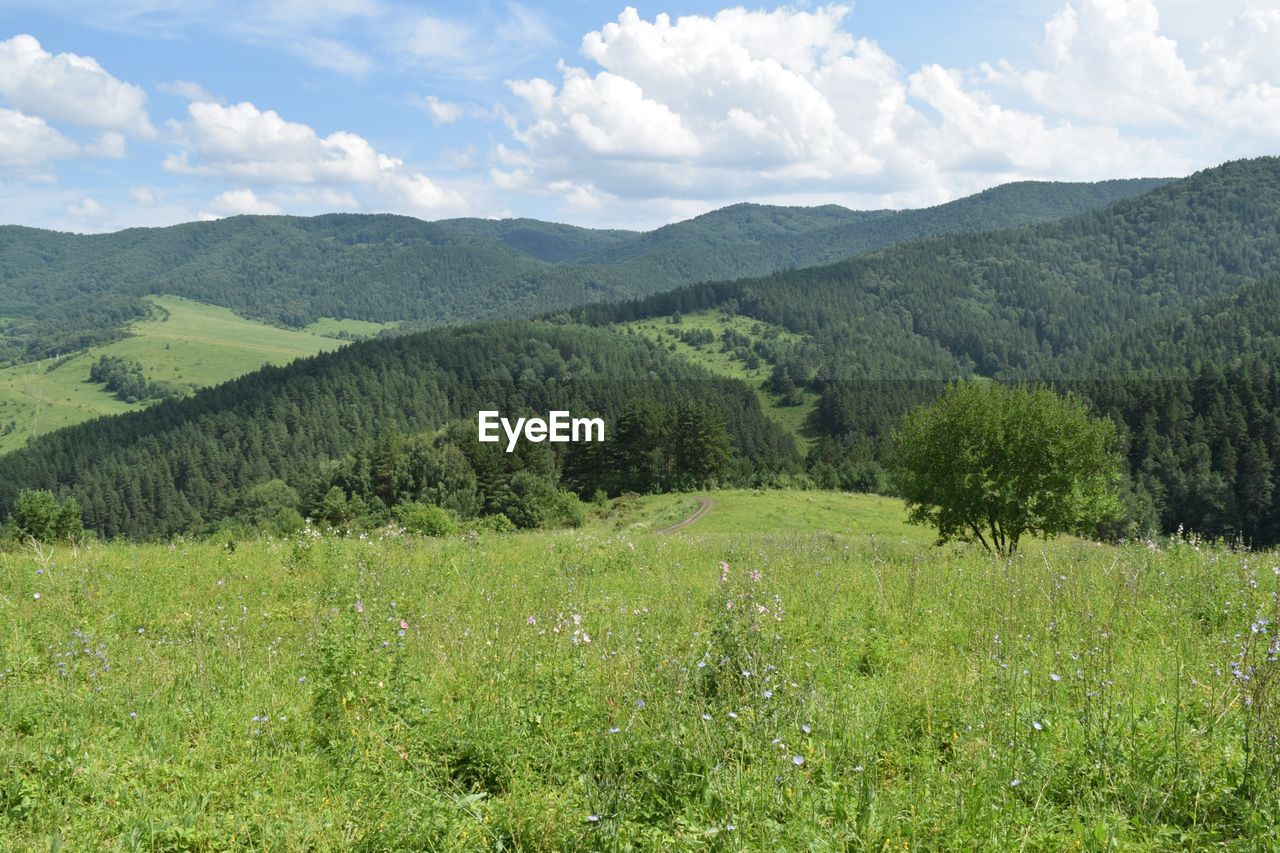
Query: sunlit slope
(188,343)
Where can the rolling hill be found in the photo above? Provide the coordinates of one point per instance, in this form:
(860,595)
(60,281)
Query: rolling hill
(60,293)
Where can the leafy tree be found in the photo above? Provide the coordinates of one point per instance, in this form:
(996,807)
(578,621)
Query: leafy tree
(992,463)
(38,515)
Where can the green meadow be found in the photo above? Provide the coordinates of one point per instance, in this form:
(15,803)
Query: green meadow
(712,357)
(791,671)
(187,343)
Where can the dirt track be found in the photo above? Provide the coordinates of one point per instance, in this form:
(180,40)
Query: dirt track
(703,505)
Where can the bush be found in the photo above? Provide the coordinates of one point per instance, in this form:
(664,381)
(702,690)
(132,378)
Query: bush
(38,515)
(426,519)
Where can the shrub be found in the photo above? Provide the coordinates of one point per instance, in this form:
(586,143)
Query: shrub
(426,519)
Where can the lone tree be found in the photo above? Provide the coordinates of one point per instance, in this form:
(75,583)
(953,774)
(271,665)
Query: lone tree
(991,463)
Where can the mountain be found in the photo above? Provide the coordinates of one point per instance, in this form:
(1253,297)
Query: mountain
(186,464)
(1011,303)
(1066,301)
(63,292)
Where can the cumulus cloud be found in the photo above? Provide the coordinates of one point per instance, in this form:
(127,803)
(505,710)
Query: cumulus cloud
(71,88)
(142,196)
(791,103)
(245,143)
(88,209)
(241,201)
(758,104)
(441,112)
(27,142)
(188,90)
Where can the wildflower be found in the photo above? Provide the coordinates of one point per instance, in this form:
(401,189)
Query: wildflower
(531,621)
(1053,676)
(359,606)
(858,769)
(768,694)
(403,624)
(1035,724)
(1013,783)
(133,715)
(730,827)
(614,730)
(594,818)
(639,703)
(36,596)
(798,761)
(805,728)
(706,717)
(733,715)
(755,576)
(724,571)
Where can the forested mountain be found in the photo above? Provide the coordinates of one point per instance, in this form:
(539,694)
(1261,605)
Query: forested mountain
(1012,302)
(63,292)
(185,464)
(1159,309)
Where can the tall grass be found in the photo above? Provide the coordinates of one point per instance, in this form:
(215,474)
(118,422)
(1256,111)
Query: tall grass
(604,690)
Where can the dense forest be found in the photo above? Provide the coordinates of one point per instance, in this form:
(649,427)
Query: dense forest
(1158,309)
(60,293)
(185,465)
(1161,310)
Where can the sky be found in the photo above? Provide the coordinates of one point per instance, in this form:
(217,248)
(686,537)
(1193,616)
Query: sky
(153,112)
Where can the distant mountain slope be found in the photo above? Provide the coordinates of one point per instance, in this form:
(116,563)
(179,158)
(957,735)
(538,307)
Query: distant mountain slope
(62,292)
(1012,302)
(185,464)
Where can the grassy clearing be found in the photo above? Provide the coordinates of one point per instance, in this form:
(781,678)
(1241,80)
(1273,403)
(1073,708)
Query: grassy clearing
(792,418)
(188,343)
(331,327)
(605,688)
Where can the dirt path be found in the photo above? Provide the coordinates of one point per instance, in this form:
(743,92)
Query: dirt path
(704,504)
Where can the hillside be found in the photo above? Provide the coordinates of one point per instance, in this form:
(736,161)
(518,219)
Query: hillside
(1159,309)
(335,421)
(185,344)
(60,293)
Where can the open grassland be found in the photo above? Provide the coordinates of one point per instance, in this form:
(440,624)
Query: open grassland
(330,327)
(793,418)
(188,343)
(604,688)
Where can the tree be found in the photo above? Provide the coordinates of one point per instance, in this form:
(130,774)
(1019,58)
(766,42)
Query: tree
(38,515)
(991,463)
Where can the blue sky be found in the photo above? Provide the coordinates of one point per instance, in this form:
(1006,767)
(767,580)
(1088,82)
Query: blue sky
(150,112)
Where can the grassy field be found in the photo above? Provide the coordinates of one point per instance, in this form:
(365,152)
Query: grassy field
(188,343)
(330,327)
(735,685)
(792,418)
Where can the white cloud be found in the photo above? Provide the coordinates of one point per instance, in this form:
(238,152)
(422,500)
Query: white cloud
(26,141)
(791,104)
(108,146)
(70,88)
(143,196)
(236,202)
(330,54)
(188,90)
(89,209)
(244,143)
(441,112)
(1110,62)
(475,48)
